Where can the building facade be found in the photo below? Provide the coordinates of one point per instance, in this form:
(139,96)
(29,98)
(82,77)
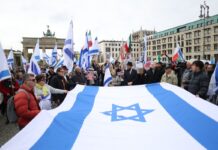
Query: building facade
(198,40)
(112,48)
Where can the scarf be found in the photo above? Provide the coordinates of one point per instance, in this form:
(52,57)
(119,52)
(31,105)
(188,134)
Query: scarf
(43,88)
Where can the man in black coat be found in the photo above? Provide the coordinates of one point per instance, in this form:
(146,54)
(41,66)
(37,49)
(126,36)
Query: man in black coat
(198,85)
(130,75)
(154,74)
(78,77)
(50,75)
(59,82)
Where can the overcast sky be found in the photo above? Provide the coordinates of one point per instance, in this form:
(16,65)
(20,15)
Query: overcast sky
(108,20)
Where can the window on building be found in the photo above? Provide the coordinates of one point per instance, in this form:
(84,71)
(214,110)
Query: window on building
(108,49)
(169,51)
(215,47)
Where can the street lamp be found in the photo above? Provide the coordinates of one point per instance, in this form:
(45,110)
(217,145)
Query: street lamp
(204,13)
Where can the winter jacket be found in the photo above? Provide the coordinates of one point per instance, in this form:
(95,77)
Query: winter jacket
(59,82)
(26,106)
(171,78)
(198,84)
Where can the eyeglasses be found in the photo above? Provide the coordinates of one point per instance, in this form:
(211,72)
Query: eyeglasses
(33,80)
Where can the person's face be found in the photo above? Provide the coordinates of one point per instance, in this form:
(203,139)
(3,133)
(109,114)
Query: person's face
(129,67)
(20,75)
(168,71)
(209,68)
(194,68)
(78,70)
(42,82)
(61,72)
(188,65)
(141,71)
(51,70)
(30,82)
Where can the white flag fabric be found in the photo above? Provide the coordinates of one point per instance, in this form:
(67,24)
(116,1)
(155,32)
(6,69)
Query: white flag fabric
(45,57)
(213,86)
(10,59)
(37,51)
(24,61)
(155,116)
(94,50)
(4,69)
(53,59)
(68,51)
(34,67)
(59,64)
(107,76)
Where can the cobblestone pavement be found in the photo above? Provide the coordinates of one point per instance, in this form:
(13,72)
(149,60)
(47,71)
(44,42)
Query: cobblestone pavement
(7,131)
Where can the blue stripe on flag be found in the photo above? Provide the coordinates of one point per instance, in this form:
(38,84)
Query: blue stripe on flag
(68,41)
(63,131)
(69,53)
(108,81)
(5,73)
(94,52)
(198,125)
(34,69)
(37,57)
(10,60)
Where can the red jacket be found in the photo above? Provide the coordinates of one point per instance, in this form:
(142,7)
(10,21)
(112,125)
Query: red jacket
(5,88)
(24,112)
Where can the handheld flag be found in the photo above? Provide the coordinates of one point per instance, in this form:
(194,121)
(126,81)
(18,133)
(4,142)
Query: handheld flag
(213,86)
(4,70)
(128,45)
(107,76)
(45,57)
(68,50)
(60,63)
(94,50)
(37,51)
(178,55)
(53,59)
(34,67)
(10,59)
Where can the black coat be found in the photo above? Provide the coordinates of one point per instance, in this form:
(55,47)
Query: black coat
(130,76)
(154,76)
(59,82)
(141,79)
(78,79)
(198,84)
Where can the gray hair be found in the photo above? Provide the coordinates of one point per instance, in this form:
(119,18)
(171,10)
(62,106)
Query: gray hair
(27,76)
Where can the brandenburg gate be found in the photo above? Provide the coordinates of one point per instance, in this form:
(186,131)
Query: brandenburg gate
(46,42)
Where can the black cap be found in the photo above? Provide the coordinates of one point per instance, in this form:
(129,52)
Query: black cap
(129,63)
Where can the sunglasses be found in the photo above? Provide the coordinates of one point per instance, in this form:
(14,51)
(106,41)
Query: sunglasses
(33,80)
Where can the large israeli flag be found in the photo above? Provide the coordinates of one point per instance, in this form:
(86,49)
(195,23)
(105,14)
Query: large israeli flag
(68,51)
(4,70)
(155,116)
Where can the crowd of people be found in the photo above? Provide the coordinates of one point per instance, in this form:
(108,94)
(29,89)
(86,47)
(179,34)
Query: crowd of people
(48,90)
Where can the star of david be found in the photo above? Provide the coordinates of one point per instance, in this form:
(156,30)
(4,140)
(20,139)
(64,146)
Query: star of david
(135,107)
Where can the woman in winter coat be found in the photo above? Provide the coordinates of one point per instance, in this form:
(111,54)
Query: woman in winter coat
(43,92)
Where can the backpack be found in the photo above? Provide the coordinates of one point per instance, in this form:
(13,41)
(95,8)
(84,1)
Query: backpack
(11,113)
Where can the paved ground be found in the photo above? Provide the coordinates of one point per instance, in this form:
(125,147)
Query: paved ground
(6,131)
